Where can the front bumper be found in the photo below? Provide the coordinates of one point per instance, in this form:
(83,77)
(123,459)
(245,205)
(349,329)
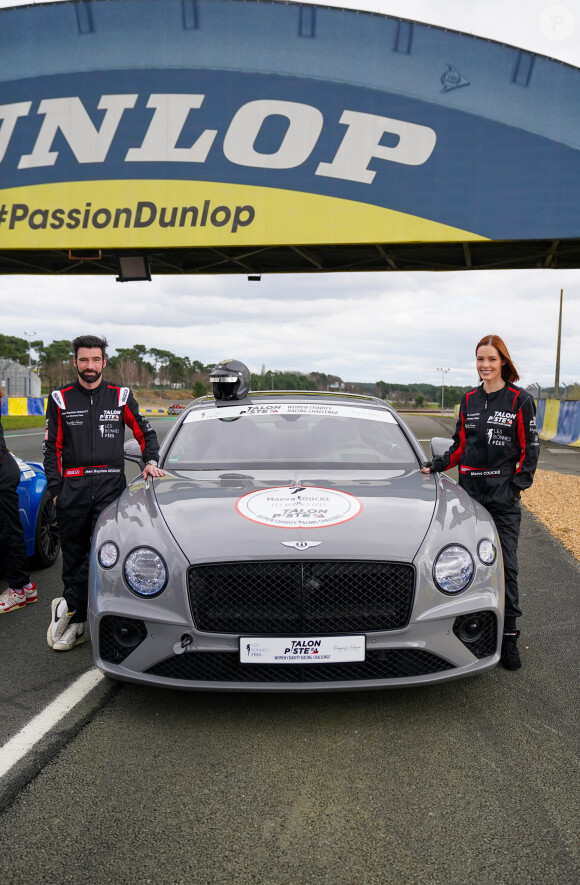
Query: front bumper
(176,656)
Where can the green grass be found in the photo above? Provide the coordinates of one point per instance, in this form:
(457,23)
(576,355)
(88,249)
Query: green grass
(22,422)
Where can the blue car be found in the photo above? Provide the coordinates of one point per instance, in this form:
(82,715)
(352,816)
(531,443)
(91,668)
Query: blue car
(37,515)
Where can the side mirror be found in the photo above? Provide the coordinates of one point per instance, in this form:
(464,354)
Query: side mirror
(132,451)
(440,445)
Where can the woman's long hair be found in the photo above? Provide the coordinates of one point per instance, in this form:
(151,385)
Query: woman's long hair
(508,370)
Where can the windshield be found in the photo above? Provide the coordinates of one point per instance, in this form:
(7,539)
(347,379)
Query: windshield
(289,434)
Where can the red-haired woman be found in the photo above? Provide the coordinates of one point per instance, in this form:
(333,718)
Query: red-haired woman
(496,448)
(12,547)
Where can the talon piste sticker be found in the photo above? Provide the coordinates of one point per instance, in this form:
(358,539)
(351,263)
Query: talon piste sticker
(298,507)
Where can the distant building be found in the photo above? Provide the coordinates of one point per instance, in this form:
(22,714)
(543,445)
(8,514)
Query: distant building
(17,380)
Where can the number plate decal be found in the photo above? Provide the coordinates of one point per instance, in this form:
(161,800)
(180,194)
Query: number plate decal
(301,649)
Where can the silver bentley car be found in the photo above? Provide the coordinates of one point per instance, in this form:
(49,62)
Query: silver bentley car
(294,544)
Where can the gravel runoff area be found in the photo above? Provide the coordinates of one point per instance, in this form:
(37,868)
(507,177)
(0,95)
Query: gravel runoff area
(555,499)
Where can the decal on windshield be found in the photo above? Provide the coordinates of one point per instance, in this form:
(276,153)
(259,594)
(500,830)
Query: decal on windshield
(298,507)
(331,411)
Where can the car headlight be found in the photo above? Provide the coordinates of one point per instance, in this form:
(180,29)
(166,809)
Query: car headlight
(453,569)
(486,550)
(145,572)
(108,554)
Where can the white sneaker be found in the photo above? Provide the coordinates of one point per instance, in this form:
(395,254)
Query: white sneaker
(60,620)
(12,599)
(75,634)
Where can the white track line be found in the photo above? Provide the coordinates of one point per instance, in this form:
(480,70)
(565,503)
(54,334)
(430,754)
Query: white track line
(37,728)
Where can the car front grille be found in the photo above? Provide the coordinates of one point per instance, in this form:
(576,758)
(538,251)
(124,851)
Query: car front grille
(391,663)
(292,598)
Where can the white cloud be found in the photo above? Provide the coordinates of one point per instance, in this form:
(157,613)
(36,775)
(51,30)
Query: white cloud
(364,327)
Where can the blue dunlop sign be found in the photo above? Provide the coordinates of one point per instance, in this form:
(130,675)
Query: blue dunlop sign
(139,123)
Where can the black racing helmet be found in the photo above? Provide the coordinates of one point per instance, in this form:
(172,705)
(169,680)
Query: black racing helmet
(230,380)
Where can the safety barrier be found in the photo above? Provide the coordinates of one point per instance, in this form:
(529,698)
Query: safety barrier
(568,433)
(540,412)
(559,421)
(36,405)
(550,422)
(23,405)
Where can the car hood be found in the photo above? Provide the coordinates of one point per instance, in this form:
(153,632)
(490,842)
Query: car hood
(240,516)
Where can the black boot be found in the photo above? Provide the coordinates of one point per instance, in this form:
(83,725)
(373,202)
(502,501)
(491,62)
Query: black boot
(510,656)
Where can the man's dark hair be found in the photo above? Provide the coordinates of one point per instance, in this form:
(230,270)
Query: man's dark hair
(90,341)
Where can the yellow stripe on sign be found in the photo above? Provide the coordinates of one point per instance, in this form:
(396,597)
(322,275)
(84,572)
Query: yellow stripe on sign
(17,405)
(147,214)
(550,426)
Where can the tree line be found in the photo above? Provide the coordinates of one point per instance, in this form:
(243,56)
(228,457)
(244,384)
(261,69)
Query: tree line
(136,366)
(150,368)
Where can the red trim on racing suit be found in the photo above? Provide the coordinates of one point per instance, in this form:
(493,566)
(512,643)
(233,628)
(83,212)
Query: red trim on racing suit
(85,468)
(495,445)
(85,429)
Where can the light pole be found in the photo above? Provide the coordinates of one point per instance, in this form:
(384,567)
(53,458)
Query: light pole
(557,376)
(443,373)
(30,336)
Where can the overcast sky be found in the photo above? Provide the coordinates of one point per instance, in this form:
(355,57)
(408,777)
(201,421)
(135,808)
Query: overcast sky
(398,327)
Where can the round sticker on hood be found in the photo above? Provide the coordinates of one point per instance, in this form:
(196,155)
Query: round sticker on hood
(298,507)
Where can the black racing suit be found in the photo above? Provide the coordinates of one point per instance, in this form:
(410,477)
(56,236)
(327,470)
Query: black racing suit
(496,448)
(12,544)
(84,464)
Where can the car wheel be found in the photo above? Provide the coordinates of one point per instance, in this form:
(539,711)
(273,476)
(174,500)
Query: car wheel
(46,539)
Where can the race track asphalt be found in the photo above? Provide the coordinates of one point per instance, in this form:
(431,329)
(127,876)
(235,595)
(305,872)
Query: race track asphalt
(475,781)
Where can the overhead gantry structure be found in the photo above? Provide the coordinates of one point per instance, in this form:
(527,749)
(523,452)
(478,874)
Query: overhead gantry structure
(246,137)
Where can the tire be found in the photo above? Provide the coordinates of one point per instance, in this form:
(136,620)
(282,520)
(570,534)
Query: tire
(46,537)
